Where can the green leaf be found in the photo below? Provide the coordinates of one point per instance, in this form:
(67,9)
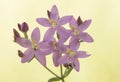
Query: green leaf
(67,71)
(54,79)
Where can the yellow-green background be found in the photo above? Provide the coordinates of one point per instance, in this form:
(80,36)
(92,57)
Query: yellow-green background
(102,66)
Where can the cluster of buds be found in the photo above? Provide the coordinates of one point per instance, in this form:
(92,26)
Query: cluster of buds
(62,54)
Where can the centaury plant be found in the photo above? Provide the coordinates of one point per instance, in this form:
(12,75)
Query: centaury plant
(54,42)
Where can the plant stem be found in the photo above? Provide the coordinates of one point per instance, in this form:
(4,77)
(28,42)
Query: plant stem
(61,71)
(52,72)
(25,35)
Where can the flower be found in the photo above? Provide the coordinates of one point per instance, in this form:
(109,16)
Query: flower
(77,32)
(54,23)
(23,27)
(71,55)
(33,49)
(53,46)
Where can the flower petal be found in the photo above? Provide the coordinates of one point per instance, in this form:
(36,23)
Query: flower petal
(56,56)
(74,43)
(45,45)
(82,54)
(23,42)
(63,32)
(49,34)
(54,13)
(28,55)
(84,25)
(35,34)
(64,20)
(73,22)
(75,64)
(40,57)
(64,59)
(85,37)
(44,22)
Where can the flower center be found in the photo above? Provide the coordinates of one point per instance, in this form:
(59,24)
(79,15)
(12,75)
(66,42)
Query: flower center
(71,53)
(34,44)
(76,32)
(54,44)
(53,22)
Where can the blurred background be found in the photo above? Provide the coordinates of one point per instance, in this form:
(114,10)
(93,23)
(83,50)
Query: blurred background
(102,66)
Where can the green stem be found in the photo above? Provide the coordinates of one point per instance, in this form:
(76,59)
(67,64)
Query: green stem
(25,35)
(62,76)
(52,72)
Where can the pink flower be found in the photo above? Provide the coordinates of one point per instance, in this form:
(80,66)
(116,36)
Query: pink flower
(55,24)
(33,48)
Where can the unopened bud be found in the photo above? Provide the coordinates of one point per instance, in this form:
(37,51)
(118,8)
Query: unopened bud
(48,13)
(16,34)
(79,21)
(20,53)
(23,27)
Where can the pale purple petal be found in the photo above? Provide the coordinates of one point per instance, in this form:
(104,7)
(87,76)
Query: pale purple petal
(63,32)
(73,22)
(45,45)
(64,59)
(46,51)
(23,42)
(84,25)
(35,34)
(44,22)
(54,13)
(82,54)
(75,64)
(56,56)
(28,55)
(49,34)
(74,43)
(40,57)
(64,20)
(85,37)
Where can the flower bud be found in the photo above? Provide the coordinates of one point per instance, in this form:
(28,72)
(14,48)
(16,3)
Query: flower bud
(23,27)
(79,21)
(16,34)
(20,53)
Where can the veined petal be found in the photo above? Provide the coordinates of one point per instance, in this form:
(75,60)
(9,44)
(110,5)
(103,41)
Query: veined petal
(44,22)
(56,56)
(28,55)
(85,37)
(64,20)
(73,22)
(23,42)
(74,43)
(84,25)
(54,14)
(82,54)
(35,34)
(40,57)
(49,34)
(63,32)
(75,64)
(45,45)
(46,51)
(64,59)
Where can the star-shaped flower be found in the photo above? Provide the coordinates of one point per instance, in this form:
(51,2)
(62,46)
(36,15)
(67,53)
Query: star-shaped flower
(71,55)
(77,32)
(33,48)
(54,23)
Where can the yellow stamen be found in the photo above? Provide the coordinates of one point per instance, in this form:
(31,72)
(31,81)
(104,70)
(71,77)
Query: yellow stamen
(53,22)
(72,27)
(34,44)
(54,43)
(71,53)
(76,32)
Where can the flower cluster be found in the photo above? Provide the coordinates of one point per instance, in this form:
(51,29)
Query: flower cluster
(54,41)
